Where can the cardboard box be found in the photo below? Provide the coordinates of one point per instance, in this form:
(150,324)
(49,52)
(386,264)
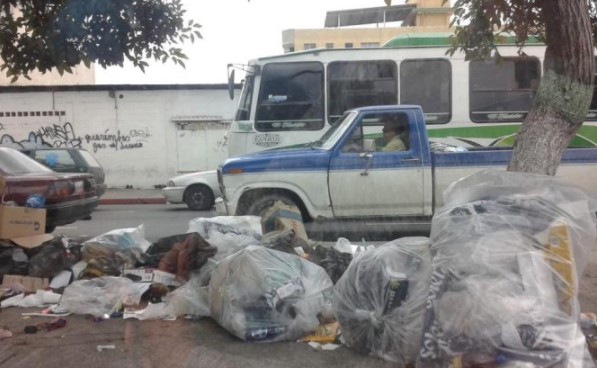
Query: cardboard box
(152,275)
(31,284)
(17,222)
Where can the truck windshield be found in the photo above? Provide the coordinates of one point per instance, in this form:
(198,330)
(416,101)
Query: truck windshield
(330,137)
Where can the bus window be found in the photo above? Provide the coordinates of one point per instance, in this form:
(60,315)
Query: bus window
(427,83)
(244,106)
(290,97)
(502,90)
(360,83)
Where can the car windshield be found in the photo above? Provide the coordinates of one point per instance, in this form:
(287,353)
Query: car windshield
(13,162)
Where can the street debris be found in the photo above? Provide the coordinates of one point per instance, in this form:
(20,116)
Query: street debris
(5,333)
(48,326)
(101,348)
(380,300)
(259,294)
(496,284)
(508,251)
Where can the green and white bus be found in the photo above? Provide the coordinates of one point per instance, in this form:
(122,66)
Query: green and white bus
(293,98)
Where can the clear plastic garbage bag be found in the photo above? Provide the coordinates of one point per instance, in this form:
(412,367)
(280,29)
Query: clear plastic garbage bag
(380,300)
(228,233)
(260,294)
(102,295)
(508,252)
(114,251)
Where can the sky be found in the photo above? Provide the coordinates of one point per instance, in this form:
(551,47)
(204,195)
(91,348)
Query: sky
(234,31)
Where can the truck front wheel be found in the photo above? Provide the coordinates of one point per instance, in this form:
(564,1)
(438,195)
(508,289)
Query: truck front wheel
(259,205)
(199,198)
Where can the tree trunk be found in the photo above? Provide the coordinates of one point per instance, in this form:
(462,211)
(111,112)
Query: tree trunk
(564,95)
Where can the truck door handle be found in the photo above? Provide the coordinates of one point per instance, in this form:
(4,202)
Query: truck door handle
(410,160)
(369,157)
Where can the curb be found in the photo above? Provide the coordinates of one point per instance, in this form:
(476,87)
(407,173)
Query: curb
(109,201)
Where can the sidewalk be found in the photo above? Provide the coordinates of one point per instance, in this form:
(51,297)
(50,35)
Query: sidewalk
(132,196)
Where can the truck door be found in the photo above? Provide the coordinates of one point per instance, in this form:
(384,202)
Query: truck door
(377,168)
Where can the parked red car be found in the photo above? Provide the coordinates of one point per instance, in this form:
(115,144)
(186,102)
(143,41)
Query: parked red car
(68,197)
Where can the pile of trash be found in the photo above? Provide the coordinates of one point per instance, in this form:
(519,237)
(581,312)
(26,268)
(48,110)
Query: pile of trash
(496,283)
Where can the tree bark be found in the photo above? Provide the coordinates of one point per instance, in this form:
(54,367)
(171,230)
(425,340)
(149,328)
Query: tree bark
(564,94)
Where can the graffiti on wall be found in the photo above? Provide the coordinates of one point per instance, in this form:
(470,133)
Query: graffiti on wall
(54,135)
(117,140)
(64,136)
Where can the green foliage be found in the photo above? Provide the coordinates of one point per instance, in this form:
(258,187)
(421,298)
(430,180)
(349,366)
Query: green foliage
(480,24)
(45,34)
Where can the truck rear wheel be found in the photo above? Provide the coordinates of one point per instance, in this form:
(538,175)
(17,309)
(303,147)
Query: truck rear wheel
(259,205)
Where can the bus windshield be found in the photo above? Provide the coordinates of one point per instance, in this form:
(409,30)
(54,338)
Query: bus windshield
(244,105)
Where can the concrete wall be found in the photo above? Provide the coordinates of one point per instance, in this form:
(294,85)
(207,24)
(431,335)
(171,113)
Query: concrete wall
(142,135)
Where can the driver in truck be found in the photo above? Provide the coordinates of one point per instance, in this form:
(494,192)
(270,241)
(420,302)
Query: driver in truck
(392,130)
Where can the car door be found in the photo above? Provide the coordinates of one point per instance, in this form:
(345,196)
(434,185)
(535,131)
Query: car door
(366,181)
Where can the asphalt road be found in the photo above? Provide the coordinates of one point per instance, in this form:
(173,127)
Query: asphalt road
(159,220)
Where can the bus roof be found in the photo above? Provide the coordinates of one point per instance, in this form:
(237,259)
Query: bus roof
(430,39)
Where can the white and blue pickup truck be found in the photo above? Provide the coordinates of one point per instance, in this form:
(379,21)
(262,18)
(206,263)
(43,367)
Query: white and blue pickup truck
(355,172)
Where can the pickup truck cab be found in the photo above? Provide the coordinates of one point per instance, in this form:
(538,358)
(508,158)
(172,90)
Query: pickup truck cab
(350,174)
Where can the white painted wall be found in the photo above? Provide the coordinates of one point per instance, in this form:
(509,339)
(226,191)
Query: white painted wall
(141,137)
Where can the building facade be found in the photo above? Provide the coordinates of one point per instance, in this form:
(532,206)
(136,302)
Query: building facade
(141,134)
(371,27)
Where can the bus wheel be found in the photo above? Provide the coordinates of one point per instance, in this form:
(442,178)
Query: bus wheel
(260,205)
(199,198)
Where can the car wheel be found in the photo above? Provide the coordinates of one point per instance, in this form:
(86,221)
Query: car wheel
(199,198)
(260,205)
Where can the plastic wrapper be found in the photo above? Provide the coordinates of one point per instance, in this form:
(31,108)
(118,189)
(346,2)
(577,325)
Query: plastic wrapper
(228,233)
(101,296)
(192,298)
(260,294)
(121,239)
(508,251)
(380,300)
(13,261)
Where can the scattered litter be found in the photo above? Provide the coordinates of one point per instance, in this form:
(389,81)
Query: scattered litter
(101,348)
(101,296)
(55,310)
(39,299)
(323,347)
(152,311)
(61,280)
(327,333)
(48,326)
(5,334)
